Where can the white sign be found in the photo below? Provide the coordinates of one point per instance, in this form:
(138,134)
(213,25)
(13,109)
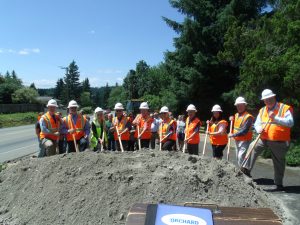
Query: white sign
(182,219)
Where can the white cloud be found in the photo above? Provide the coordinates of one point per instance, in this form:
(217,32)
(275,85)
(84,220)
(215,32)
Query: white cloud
(24,51)
(43,83)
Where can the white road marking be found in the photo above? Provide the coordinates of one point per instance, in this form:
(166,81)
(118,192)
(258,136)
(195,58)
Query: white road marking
(18,149)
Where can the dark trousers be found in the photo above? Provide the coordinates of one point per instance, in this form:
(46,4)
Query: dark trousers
(154,136)
(111,145)
(62,146)
(168,145)
(81,143)
(145,143)
(130,146)
(124,143)
(218,151)
(193,149)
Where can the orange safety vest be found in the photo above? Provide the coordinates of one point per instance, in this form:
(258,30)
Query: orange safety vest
(121,126)
(189,130)
(218,139)
(52,125)
(79,126)
(239,122)
(164,130)
(273,131)
(141,123)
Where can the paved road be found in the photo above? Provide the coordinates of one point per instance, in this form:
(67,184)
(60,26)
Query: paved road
(17,141)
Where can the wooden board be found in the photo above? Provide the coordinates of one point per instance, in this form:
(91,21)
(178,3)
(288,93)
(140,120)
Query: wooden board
(225,216)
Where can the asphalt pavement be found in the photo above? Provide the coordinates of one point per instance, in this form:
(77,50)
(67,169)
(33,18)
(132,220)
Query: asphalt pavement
(16,142)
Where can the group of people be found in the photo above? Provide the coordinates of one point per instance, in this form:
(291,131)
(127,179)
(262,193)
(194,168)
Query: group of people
(123,132)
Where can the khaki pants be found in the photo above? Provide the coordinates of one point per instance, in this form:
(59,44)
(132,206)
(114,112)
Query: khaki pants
(278,151)
(241,151)
(49,146)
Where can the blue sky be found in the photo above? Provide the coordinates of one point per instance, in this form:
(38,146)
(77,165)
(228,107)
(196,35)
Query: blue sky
(106,38)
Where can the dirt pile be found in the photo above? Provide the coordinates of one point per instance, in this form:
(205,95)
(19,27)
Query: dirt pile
(99,188)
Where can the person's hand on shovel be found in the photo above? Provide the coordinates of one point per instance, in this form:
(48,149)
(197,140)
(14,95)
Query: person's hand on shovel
(272,115)
(71,131)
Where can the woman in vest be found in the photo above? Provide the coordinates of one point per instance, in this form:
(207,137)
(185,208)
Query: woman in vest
(122,123)
(143,122)
(99,137)
(192,129)
(217,132)
(167,130)
(242,132)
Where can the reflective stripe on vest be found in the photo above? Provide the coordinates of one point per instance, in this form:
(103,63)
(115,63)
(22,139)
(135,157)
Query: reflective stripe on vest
(79,126)
(189,130)
(273,130)
(141,122)
(218,139)
(121,125)
(52,126)
(165,130)
(239,122)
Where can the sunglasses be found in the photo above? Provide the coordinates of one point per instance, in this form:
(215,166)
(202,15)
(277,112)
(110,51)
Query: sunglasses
(118,110)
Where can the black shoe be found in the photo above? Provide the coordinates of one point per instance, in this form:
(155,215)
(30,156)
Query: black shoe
(278,188)
(246,172)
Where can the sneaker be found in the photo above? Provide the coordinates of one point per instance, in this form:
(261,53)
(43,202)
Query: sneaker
(278,188)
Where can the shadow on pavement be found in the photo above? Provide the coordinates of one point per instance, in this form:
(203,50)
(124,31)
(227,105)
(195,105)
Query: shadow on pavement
(292,189)
(264,181)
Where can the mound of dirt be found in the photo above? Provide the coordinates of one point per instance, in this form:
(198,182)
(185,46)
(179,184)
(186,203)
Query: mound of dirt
(99,188)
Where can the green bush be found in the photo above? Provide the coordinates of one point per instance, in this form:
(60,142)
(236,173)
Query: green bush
(293,155)
(2,167)
(17,119)
(87,110)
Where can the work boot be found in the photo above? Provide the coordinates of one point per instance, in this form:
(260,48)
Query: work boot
(246,172)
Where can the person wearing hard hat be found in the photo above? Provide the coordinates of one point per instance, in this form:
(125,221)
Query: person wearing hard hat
(167,130)
(77,127)
(143,122)
(274,123)
(242,132)
(192,130)
(122,123)
(50,129)
(217,132)
(99,137)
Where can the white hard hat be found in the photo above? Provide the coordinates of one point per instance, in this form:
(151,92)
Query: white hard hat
(73,103)
(240,100)
(144,105)
(98,109)
(216,108)
(164,109)
(191,107)
(267,93)
(119,106)
(52,102)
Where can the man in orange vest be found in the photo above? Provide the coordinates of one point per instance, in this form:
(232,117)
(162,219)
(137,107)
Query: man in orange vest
(192,129)
(274,123)
(242,132)
(76,127)
(167,130)
(123,124)
(50,129)
(143,122)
